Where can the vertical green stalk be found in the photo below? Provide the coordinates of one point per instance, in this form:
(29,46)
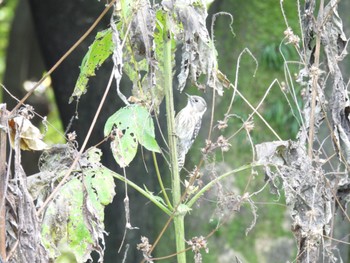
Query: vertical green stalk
(170,115)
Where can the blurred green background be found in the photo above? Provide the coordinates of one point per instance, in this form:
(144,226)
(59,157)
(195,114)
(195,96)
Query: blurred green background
(7,10)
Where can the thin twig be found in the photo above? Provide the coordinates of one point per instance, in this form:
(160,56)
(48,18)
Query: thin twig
(171,255)
(161,132)
(77,158)
(235,86)
(257,113)
(37,114)
(213,50)
(54,67)
(161,181)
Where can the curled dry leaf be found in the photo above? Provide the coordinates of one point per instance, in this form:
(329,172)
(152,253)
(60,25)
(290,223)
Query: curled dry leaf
(199,56)
(306,191)
(30,137)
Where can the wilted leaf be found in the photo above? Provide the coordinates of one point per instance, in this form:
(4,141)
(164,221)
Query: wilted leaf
(117,58)
(334,37)
(73,221)
(335,50)
(30,137)
(23,227)
(141,63)
(132,125)
(199,56)
(305,189)
(72,224)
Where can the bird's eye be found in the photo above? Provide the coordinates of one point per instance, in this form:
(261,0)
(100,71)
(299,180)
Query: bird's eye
(195,100)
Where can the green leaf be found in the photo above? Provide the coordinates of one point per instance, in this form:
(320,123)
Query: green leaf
(124,149)
(132,68)
(100,187)
(103,184)
(149,142)
(98,52)
(126,8)
(133,124)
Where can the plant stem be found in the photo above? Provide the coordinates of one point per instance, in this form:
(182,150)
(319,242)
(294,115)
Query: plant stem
(145,193)
(193,200)
(170,115)
(166,198)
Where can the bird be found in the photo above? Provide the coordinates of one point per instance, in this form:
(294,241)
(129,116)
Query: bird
(187,125)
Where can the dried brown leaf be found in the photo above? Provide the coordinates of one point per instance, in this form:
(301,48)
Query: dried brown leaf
(30,136)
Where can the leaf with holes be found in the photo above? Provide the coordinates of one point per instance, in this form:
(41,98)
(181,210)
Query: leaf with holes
(73,221)
(132,125)
(98,52)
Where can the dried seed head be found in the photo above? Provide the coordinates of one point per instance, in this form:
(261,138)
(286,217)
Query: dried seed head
(222,124)
(292,38)
(223,143)
(146,248)
(248,126)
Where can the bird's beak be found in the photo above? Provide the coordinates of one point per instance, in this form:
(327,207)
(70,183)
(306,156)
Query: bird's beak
(187,95)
